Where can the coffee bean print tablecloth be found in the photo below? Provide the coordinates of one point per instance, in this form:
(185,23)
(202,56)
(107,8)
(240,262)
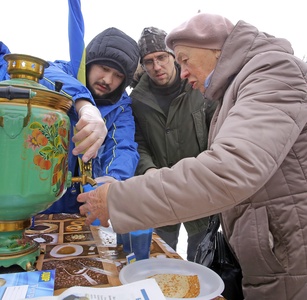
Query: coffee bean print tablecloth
(78,253)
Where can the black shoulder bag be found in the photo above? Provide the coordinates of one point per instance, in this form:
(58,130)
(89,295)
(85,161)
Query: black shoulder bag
(214,253)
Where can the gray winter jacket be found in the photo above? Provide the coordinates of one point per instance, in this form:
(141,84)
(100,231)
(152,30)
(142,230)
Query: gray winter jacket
(164,140)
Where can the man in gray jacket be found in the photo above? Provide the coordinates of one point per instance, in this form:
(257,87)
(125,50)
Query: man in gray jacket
(171,123)
(255,169)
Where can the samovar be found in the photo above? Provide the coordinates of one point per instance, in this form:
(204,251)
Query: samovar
(34,143)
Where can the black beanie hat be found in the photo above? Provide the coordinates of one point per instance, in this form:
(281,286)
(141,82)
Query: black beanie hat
(114,48)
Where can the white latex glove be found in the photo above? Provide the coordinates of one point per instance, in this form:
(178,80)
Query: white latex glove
(91,132)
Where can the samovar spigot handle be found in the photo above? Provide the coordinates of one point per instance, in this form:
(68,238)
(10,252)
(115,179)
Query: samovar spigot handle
(86,171)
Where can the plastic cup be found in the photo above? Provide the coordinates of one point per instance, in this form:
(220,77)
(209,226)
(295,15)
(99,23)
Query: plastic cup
(119,239)
(138,242)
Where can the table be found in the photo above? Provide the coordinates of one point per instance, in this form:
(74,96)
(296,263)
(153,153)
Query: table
(78,253)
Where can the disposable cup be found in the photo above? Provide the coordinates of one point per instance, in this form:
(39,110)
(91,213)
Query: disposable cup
(138,242)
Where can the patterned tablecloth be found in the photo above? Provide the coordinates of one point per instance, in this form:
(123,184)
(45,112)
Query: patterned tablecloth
(79,254)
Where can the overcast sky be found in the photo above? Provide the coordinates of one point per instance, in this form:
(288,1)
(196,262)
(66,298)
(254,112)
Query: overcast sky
(39,27)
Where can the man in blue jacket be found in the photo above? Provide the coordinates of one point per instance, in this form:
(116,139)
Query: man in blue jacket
(111,60)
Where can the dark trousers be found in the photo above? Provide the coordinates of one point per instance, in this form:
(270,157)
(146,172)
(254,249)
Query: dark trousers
(171,238)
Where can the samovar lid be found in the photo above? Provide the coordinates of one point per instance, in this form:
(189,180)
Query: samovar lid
(25,72)
(25,66)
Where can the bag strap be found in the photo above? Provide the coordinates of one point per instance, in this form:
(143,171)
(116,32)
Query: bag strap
(206,248)
(214,223)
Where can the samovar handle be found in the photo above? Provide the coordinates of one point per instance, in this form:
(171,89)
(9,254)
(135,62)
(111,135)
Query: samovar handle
(10,93)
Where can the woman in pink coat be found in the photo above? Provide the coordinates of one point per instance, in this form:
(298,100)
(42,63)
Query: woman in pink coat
(255,170)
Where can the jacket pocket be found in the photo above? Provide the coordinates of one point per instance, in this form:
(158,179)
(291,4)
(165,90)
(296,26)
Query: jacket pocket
(256,242)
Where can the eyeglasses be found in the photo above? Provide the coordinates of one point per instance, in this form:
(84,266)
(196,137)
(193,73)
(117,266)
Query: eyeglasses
(161,60)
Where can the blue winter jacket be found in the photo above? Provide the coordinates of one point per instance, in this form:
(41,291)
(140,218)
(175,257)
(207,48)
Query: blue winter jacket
(118,156)
(3,64)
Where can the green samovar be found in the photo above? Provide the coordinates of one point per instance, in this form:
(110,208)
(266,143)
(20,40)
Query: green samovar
(34,142)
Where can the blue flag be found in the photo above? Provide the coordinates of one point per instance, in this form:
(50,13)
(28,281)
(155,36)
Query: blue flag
(76,39)
(77,52)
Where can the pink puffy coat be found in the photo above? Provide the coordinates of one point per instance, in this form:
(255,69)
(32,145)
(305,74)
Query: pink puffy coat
(254,172)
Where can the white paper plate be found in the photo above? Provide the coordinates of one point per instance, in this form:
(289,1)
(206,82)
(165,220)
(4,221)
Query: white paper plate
(211,284)
(56,251)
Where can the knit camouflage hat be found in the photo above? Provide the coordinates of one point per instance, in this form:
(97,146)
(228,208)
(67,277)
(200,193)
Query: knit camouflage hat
(152,40)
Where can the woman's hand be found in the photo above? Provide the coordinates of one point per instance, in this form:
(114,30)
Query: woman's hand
(95,205)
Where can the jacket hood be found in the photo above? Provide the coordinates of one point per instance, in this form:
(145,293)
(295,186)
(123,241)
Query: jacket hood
(249,42)
(114,48)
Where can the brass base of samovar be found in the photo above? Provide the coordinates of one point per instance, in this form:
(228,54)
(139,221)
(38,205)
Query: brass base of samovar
(15,247)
